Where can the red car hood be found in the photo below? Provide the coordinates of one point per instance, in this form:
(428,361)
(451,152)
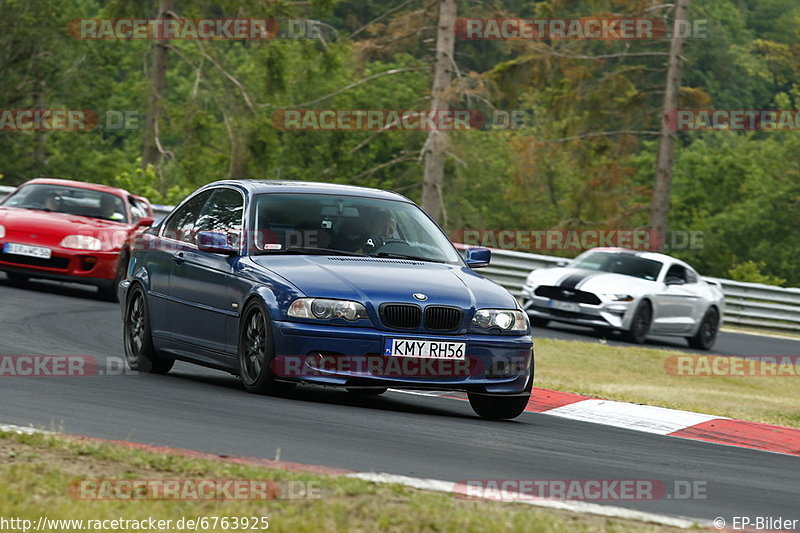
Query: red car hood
(29,226)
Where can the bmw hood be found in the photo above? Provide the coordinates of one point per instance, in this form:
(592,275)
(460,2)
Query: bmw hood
(379,280)
(591,281)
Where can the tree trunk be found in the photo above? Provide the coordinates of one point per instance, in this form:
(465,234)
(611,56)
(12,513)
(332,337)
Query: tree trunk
(158,85)
(659,207)
(432,200)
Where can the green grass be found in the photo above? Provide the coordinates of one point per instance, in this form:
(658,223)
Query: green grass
(638,375)
(35,471)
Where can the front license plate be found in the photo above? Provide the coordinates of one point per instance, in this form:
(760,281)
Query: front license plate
(564,306)
(30,251)
(425,349)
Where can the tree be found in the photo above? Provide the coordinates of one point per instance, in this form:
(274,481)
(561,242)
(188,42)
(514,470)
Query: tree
(436,144)
(659,210)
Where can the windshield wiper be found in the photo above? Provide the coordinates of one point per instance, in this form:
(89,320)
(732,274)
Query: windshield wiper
(391,255)
(309,251)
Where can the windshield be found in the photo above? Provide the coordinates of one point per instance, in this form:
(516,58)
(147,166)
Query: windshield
(70,200)
(619,263)
(347,225)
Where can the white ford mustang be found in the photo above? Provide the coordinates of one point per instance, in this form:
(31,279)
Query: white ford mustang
(637,293)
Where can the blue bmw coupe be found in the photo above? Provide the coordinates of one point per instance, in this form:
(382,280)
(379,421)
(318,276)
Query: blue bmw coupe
(283,282)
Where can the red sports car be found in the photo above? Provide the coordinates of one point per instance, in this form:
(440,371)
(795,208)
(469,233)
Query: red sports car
(70,231)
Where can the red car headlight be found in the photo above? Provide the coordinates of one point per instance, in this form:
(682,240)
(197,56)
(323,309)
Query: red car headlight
(81,242)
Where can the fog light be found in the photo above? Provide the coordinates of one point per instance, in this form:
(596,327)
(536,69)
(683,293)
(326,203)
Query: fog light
(88,263)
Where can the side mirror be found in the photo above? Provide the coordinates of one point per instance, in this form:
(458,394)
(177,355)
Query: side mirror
(478,257)
(674,281)
(145,222)
(562,264)
(214,242)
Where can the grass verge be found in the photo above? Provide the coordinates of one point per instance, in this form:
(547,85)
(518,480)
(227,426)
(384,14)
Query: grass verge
(637,374)
(35,471)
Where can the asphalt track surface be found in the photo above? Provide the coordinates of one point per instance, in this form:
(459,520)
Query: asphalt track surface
(397,433)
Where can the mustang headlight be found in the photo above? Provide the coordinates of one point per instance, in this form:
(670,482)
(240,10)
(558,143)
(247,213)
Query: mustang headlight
(504,319)
(619,297)
(81,242)
(323,309)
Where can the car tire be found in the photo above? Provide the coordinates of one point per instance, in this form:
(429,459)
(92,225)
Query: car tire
(140,354)
(707,333)
(257,352)
(539,322)
(108,292)
(372,391)
(498,407)
(13,277)
(640,325)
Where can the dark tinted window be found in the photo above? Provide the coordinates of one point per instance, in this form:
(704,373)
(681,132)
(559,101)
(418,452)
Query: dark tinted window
(624,263)
(677,272)
(138,209)
(181,224)
(223,213)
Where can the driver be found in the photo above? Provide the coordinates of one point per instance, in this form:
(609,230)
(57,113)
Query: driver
(52,202)
(384,226)
(108,208)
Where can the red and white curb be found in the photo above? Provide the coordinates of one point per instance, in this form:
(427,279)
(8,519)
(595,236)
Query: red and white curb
(434,485)
(668,422)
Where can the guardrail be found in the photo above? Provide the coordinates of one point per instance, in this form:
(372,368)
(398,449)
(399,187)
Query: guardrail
(752,305)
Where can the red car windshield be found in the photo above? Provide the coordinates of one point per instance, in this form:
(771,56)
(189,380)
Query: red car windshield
(70,200)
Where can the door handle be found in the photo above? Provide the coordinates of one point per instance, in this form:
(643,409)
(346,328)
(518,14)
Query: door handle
(178,257)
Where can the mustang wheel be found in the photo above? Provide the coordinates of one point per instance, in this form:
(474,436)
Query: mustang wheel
(257,351)
(139,351)
(707,332)
(640,326)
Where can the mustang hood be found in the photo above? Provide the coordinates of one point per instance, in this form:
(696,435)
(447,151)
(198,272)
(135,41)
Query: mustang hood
(379,280)
(591,281)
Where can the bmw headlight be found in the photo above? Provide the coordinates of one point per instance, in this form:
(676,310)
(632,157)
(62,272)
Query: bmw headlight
(323,309)
(503,319)
(619,297)
(81,242)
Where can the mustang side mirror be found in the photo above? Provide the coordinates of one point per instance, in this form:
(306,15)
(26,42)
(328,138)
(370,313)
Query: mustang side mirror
(674,281)
(145,222)
(478,257)
(214,242)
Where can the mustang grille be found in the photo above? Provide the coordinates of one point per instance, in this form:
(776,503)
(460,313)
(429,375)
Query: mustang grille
(54,262)
(442,318)
(401,316)
(567,295)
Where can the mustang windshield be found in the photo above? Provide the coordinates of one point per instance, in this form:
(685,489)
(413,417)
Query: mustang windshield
(346,225)
(70,200)
(619,263)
